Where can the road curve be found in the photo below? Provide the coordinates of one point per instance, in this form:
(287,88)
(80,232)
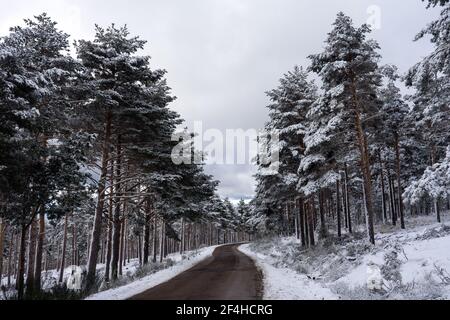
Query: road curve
(227,275)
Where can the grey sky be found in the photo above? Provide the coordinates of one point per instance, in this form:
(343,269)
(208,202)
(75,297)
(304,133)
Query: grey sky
(222,55)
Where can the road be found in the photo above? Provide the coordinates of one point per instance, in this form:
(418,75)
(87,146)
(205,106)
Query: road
(227,275)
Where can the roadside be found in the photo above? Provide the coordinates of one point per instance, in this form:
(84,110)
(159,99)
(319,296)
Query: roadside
(409,264)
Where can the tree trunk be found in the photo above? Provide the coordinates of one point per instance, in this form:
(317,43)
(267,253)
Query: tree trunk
(365,164)
(10,257)
(161,243)
(383,189)
(39,250)
(399,184)
(182,236)
(97,226)
(338,208)
(21,263)
(116,219)
(109,224)
(146,237)
(323,226)
(302,222)
(155,235)
(2,238)
(297,233)
(63,252)
(30,262)
(122,244)
(392,200)
(347,200)
(310,222)
(437,210)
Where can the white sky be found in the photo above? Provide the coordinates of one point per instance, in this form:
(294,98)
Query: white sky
(222,55)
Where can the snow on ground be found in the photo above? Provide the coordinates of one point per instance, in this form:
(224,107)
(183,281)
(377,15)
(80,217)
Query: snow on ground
(414,264)
(284,283)
(182,264)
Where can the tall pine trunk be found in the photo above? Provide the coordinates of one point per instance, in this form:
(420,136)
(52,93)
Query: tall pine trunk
(97,226)
(155,235)
(392,200)
(347,200)
(399,183)
(30,262)
(365,164)
(116,218)
(323,226)
(302,222)
(146,252)
(2,238)
(383,189)
(10,257)
(63,252)
(21,263)
(338,209)
(39,250)
(310,218)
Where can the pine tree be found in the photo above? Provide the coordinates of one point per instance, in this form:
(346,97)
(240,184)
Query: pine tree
(351,76)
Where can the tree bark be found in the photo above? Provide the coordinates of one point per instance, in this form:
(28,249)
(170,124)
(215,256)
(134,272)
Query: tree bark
(161,243)
(30,262)
(437,210)
(338,208)
(399,183)
(2,238)
(63,252)
(39,250)
(365,164)
(10,257)
(155,235)
(323,226)
(383,189)
(122,244)
(311,222)
(21,263)
(97,226)
(347,200)
(116,219)
(392,200)
(302,222)
(146,236)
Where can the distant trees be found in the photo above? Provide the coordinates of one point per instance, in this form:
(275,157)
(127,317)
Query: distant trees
(343,158)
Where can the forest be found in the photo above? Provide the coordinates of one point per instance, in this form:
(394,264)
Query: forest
(355,150)
(87,177)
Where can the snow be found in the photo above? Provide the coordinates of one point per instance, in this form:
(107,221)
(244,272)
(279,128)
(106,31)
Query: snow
(419,260)
(286,284)
(150,281)
(341,271)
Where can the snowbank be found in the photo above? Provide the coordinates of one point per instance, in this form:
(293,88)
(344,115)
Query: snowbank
(414,263)
(284,283)
(150,281)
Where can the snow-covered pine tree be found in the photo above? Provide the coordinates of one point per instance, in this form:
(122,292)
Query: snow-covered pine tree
(39,71)
(431,101)
(117,86)
(349,70)
(290,102)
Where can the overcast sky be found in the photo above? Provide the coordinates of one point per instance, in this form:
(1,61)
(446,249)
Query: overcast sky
(222,55)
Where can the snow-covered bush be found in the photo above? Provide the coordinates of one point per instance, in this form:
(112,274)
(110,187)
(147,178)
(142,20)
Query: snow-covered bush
(391,268)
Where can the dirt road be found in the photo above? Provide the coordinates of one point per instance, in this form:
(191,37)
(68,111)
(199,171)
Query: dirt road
(227,275)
